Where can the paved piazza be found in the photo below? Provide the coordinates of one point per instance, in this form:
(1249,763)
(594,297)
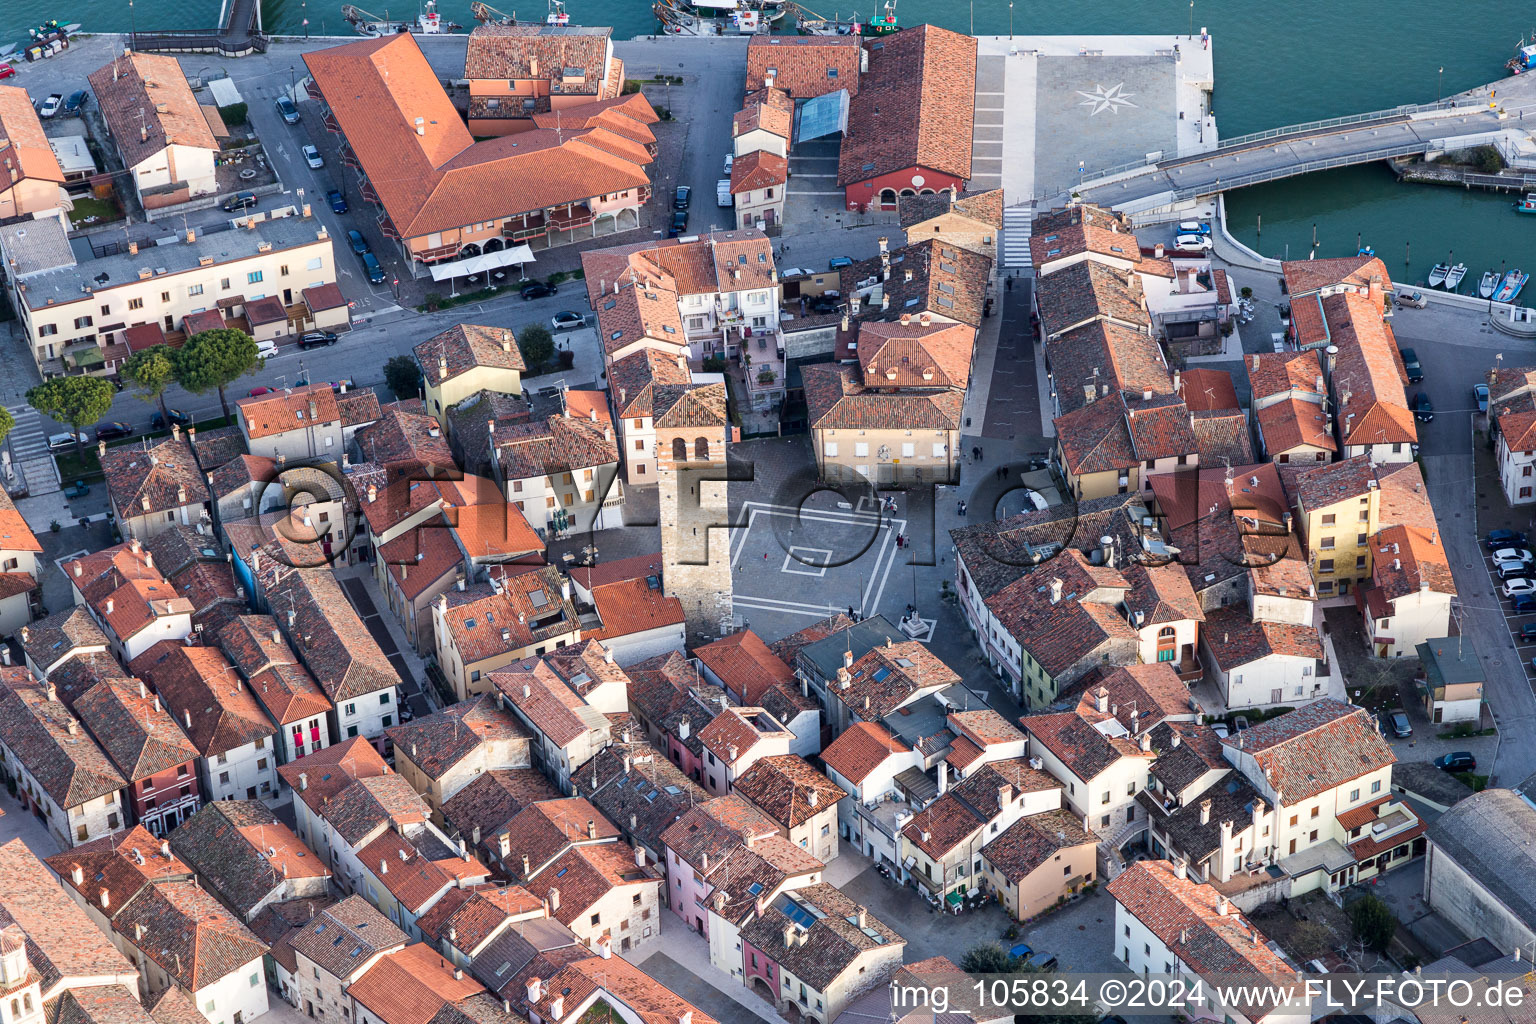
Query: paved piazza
(1117,108)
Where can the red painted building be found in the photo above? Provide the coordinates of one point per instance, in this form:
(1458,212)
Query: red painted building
(910,124)
(147,747)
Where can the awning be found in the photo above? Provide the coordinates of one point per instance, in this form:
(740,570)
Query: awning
(86,355)
(821,116)
(954,899)
(484,263)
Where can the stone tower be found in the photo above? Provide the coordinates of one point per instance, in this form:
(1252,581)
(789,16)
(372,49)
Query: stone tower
(692,431)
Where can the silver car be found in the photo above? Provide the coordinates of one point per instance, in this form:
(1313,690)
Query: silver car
(312,157)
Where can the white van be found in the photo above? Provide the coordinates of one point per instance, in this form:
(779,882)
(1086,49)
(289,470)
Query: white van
(723,192)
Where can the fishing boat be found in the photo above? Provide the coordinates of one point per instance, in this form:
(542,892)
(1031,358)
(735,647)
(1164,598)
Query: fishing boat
(766,10)
(1437,275)
(1523,60)
(834,26)
(1528,204)
(1510,286)
(427,23)
(884,23)
(1365,250)
(1489,282)
(1453,279)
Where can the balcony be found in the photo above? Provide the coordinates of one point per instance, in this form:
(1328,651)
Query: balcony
(569,218)
(387,226)
(440,253)
(1189,668)
(329,120)
(368,192)
(525,227)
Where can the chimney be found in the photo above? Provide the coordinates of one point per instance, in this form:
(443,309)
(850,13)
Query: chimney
(861,917)
(527,867)
(639,853)
(1146,741)
(383,866)
(591,828)
(303,781)
(106,899)
(1222,906)
(554,899)
(506,341)
(1056,590)
(1179,870)
(535,988)
(813,798)
(1157,251)
(1205,811)
(77,875)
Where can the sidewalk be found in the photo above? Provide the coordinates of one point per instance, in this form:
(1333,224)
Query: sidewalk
(679,959)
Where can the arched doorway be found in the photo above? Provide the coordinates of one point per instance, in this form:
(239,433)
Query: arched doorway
(1167,644)
(469,249)
(762,991)
(887,197)
(494,245)
(679,450)
(701,449)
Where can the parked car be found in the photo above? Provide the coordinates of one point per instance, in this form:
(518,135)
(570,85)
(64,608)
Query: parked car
(1423,408)
(266,349)
(1414,299)
(374,270)
(66,440)
(1456,761)
(1504,539)
(51,106)
(1480,397)
(113,431)
(178,417)
(1020,951)
(317,339)
(7,71)
(680,197)
(1411,364)
(75,105)
(837,262)
(239,201)
(1522,604)
(78,489)
(730,161)
(537,290)
(344,383)
(723,196)
(1192,243)
(1401,728)
(1513,555)
(1194,227)
(1049,962)
(1528,633)
(312,157)
(565,320)
(337,200)
(679,224)
(289,112)
(1517,586)
(1512,569)
(258,392)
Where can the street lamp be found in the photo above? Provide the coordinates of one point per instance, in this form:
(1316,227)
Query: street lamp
(1010,19)
(305,14)
(292,84)
(1191,19)
(1439,81)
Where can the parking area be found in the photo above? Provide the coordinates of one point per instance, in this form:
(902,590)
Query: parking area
(1515,591)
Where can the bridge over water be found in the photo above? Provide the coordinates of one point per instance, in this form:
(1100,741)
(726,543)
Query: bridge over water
(238,34)
(1457,122)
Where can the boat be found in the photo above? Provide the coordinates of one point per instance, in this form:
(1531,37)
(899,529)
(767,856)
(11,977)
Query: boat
(485,14)
(1365,250)
(1489,282)
(819,26)
(427,23)
(7,50)
(1523,60)
(1528,204)
(883,23)
(1437,275)
(766,10)
(1510,286)
(1453,279)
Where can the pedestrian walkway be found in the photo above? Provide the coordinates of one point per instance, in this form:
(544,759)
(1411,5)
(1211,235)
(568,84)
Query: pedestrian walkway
(29,452)
(680,961)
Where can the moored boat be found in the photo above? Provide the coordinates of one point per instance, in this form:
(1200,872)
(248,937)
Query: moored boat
(1437,275)
(1453,278)
(884,23)
(427,23)
(1510,286)
(1365,250)
(1489,282)
(1527,205)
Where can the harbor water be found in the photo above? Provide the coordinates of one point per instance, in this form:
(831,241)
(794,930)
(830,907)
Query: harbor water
(1275,65)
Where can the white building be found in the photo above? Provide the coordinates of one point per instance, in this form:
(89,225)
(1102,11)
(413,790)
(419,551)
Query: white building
(1258,663)
(1480,858)
(132,603)
(166,141)
(865,761)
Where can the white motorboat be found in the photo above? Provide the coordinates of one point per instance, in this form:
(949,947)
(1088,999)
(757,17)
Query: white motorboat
(1487,284)
(1437,275)
(1453,278)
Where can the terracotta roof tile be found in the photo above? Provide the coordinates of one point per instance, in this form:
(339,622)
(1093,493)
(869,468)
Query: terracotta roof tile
(493,799)
(436,742)
(169,115)
(758,170)
(187,934)
(281,411)
(833,941)
(983,207)
(464,347)
(860,749)
(1085,751)
(164,474)
(138,734)
(715,827)
(410,986)
(837,400)
(1090,361)
(1034,839)
(364,933)
(744,665)
(914,107)
(284,687)
(50,743)
(242,853)
(804,66)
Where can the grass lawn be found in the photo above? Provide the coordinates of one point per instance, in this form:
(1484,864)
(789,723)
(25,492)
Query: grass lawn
(89,207)
(86,465)
(1477,783)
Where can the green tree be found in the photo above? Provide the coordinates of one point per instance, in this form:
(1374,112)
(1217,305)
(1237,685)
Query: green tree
(988,958)
(78,401)
(216,359)
(403,377)
(7,422)
(1372,921)
(537,345)
(151,371)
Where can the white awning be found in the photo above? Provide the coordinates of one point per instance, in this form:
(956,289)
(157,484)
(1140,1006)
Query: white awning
(484,263)
(224,92)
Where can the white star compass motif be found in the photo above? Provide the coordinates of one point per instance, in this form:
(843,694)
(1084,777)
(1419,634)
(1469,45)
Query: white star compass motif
(1102,99)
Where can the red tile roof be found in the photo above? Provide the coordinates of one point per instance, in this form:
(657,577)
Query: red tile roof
(744,664)
(861,748)
(1316,748)
(292,409)
(757,170)
(412,985)
(804,66)
(148,105)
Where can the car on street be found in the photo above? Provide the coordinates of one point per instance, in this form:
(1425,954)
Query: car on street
(679,224)
(312,157)
(258,392)
(358,242)
(374,270)
(1020,951)
(1423,408)
(1401,728)
(65,441)
(537,290)
(1496,539)
(7,71)
(1411,364)
(723,196)
(75,105)
(680,196)
(1512,569)
(266,349)
(317,339)
(1528,633)
(1192,243)
(239,201)
(113,431)
(837,262)
(1518,586)
(565,320)
(1513,555)
(1414,299)
(178,417)
(1456,761)
(1480,397)
(287,110)
(337,200)
(730,161)
(51,106)
(1194,227)
(1522,604)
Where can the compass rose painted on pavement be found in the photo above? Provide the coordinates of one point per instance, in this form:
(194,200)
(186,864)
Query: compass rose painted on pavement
(1102,99)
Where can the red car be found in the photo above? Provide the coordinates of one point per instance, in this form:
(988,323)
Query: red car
(7,71)
(261,391)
